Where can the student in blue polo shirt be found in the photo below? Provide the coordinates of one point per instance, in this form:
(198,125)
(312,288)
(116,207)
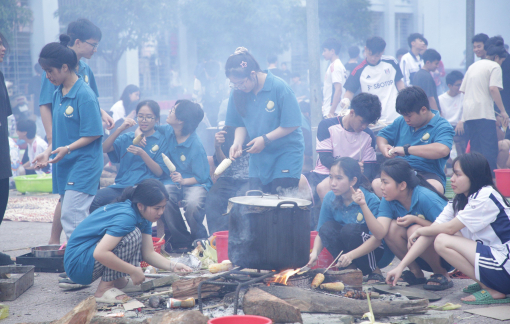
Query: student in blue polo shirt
(421,136)
(112,241)
(77,155)
(264,108)
(136,163)
(85,37)
(342,225)
(190,182)
(409,202)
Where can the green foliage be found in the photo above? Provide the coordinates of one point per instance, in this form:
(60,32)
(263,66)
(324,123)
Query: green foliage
(125,24)
(347,20)
(12,16)
(262,26)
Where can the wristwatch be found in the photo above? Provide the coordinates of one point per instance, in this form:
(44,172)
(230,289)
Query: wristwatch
(68,149)
(406,149)
(267,141)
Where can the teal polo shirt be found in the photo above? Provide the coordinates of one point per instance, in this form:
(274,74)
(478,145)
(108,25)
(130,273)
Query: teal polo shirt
(117,220)
(133,169)
(189,158)
(346,214)
(274,106)
(48,88)
(438,129)
(349,215)
(423,202)
(76,115)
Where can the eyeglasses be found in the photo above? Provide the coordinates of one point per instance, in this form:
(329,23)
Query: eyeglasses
(93,45)
(239,85)
(145,118)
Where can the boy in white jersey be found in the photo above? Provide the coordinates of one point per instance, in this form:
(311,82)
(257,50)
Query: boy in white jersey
(482,216)
(451,108)
(334,79)
(412,62)
(379,75)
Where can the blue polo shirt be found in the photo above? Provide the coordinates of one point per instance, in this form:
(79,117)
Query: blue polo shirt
(133,169)
(346,214)
(423,202)
(117,220)
(274,106)
(48,88)
(189,158)
(76,115)
(439,131)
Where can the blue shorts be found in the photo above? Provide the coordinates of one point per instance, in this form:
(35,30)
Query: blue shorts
(489,272)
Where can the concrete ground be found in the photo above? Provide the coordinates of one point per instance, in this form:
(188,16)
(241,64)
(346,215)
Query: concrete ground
(44,301)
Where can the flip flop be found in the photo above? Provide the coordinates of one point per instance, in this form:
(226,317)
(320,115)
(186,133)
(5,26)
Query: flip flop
(411,279)
(109,297)
(131,287)
(441,280)
(472,288)
(482,297)
(377,277)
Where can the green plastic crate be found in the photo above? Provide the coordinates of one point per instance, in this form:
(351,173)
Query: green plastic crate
(34,183)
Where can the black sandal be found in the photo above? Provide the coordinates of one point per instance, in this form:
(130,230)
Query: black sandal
(441,280)
(376,277)
(411,279)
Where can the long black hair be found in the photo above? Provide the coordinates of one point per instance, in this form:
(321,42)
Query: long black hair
(240,65)
(126,102)
(149,192)
(400,171)
(57,54)
(154,107)
(351,169)
(476,168)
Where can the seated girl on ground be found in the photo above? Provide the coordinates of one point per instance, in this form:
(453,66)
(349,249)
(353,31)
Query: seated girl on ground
(409,202)
(481,214)
(110,243)
(342,225)
(137,163)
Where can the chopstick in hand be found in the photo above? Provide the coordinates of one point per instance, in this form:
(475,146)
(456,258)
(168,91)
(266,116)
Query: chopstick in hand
(334,261)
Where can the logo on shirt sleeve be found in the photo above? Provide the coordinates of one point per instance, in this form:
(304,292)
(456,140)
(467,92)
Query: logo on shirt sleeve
(69,111)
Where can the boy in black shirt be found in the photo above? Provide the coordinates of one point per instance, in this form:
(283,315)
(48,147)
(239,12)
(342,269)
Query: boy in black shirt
(424,80)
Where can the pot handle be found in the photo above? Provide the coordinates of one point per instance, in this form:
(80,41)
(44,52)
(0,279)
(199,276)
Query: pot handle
(275,215)
(251,191)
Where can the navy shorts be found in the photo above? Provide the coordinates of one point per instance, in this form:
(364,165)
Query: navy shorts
(489,272)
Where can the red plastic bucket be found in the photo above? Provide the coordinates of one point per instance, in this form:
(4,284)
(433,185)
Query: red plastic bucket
(325,258)
(240,319)
(220,241)
(503,181)
(157,248)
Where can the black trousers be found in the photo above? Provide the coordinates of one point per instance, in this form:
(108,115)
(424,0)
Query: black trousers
(484,139)
(217,201)
(278,186)
(337,237)
(4,197)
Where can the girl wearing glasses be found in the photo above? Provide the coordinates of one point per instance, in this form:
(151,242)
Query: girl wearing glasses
(136,163)
(264,108)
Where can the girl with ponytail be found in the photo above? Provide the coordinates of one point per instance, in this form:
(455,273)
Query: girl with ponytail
(409,203)
(111,242)
(75,149)
(264,108)
(342,225)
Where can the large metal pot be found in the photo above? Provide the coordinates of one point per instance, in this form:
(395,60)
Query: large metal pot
(269,232)
(48,251)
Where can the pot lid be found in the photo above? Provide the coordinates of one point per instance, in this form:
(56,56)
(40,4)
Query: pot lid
(264,200)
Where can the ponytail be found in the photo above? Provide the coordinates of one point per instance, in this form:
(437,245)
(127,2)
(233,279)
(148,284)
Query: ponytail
(400,171)
(240,65)
(57,54)
(149,192)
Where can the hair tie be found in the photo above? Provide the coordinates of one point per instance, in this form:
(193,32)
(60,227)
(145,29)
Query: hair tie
(244,64)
